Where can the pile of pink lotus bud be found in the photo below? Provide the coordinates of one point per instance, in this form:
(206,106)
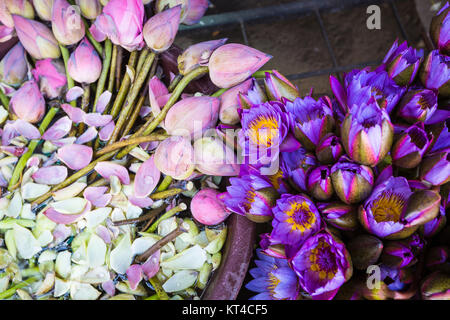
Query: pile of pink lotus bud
(101,197)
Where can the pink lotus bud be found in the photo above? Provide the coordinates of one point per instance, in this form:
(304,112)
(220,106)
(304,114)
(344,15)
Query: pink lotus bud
(229,102)
(213,157)
(198,55)
(175,157)
(13,67)
(28,103)
(192,116)
(67,25)
(89,8)
(195,11)
(5,15)
(161,5)
(51,75)
(207,208)
(233,63)
(121,22)
(36,38)
(161,29)
(20,7)
(43,9)
(84,65)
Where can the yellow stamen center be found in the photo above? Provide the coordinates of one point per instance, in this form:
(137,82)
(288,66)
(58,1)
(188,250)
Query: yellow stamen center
(249,198)
(276,178)
(388,207)
(320,258)
(300,216)
(264,131)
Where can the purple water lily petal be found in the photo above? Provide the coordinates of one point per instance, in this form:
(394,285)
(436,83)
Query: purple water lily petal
(103,101)
(50,175)
(89,135)
(58,130)
(74,93)
(75,156)
(107,169)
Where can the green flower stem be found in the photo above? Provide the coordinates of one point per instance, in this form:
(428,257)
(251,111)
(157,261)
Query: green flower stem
(166,193)
(77,175)
(181,207)
(134,116)
(175,82)
(105,71)
(261,74)
(164,184)
(4,100)
(162,295)
(31,147)
(120,144)
(123,87)
(132,96)
(112,69)
(34,271)
(142,57)
(70,82)
(153,297)
(119,66)
(149,127)
(94,42)
(11,291)
(218,93)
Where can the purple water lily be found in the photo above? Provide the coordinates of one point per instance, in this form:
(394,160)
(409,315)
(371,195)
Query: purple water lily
(264,128)
(295,219)
(296,165)
(435,73)
(273,279)
(322,265)
(417,105)
(408,150)
(381,214)
(312,119)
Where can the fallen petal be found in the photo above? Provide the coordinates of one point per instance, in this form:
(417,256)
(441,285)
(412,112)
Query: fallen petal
(74,93)
(75,114)
(107,169)
(97,119)
(103,101)
(89,135)
(58,130)
(50,175)
(134,275)
(147,178)
(75,156)
(106,132)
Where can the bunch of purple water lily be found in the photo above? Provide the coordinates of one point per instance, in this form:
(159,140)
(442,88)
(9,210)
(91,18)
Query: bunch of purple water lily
(356,187)
(97,153)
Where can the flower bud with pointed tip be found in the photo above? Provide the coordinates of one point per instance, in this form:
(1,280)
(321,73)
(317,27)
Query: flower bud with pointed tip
(36,38)
(5,15)
(440,29)
(175,157)
(84,64)
(233,63)
(352,182)
(13,66)
(319,183)
(90,9)
(213,157)
(198,55)
(339,215)
(437,258)
(67,25)
(28,103)
(397,254)
(278,86)
(365,250)
(436,286)
(20,7)
(435,73)
(329,149)
(417,105)
(161,29)
(435,169)
(195,11)
(367,133)
(409,148)
(51,76)
(207,208)
(191,116)
(229,102)
(161,5)
(422,207)
(43,9)
(255,95)
(433,227)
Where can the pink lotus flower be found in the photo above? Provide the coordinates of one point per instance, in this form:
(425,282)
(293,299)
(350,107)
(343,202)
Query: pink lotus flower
(121,22)
(28,103)
(174,157)
(13,67)
(192,116)
(51,76)
(233,63)
(207,208)
(84,65)
(36,38)
(90,8)
(161,29)
(43,9)
(67,25)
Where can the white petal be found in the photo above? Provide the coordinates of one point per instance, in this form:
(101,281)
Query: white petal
(70,206)
(180,281)
(33,190)
(96,252)
(83,291)
(26,244)
(121,257)
(192,258)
